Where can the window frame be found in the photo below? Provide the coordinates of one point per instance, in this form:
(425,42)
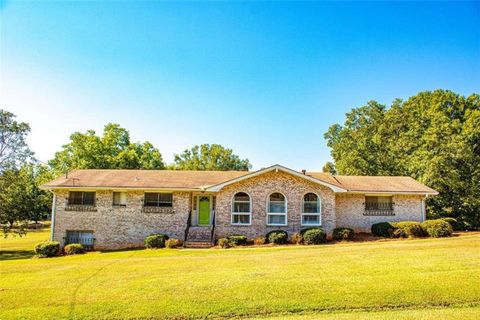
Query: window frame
(285,214)
(389,210)
(158,200)
(234,213)
(119,204)
(83,198)
(318,213)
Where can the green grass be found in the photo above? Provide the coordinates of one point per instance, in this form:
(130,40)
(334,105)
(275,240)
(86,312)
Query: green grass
(15,247)
(400,279)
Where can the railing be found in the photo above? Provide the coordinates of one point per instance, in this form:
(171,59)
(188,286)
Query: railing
(87,242)
(189,222)
(80,207)
(379,209)
(147,209)
(212,236)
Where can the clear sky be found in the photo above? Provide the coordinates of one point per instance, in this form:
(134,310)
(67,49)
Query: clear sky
(266,79)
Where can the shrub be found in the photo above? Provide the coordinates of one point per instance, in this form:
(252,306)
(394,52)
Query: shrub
(297,238)
(302,232)
(47,249)
(456,225)
(277,237)
(383,229)
(405,229)
(259,241)
(237,240)
(314,236)
(173,243)
(343,234)
(155,241)
(74,248)
(437,228)
(224,243)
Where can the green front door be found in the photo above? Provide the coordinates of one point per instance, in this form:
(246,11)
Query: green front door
(204,211)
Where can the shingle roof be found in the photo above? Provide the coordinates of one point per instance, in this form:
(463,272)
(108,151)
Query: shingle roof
(176,179)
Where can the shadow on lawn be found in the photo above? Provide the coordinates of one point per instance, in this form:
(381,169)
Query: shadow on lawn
(16,254)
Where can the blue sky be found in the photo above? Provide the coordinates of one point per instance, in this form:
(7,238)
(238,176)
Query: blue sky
(266,79)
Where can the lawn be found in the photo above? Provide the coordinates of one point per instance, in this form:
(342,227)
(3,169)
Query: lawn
(400,279)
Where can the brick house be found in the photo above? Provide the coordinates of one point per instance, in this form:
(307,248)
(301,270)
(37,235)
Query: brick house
(110,209)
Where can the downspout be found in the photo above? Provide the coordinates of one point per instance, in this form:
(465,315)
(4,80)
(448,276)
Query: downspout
(52,226)
(424,213)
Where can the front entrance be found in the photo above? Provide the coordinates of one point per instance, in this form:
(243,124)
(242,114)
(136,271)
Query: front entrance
(204,210)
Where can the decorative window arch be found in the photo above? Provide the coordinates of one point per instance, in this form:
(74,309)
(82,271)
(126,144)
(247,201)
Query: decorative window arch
(311,209)
(277,209)
(241,209)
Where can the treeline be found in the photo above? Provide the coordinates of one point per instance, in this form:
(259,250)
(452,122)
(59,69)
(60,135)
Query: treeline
(433,137)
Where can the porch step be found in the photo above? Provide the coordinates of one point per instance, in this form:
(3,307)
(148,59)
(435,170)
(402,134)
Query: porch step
(199,234)
(198,244)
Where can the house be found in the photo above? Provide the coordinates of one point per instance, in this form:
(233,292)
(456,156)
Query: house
(110,209)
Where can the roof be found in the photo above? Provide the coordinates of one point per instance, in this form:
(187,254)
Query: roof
(216,180)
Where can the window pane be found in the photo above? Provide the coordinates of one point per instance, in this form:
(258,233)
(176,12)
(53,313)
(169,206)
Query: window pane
(241,207)
(277,207)
(241,196)
(276,219)
(75,197)
(310,197)
(311,219)
(89,198)
(241,219)
(277,197)
(151,199)
(310,207)
(119,198)
(165,200)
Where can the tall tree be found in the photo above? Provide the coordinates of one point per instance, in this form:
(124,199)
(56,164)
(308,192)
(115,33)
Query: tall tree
(112,150)
(329,167)
(13,148)
(433,137)
(210,157)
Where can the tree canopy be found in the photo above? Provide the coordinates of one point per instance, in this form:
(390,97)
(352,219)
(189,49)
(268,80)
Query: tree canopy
(112,150)
(433,137)
(13,148)
(210,157)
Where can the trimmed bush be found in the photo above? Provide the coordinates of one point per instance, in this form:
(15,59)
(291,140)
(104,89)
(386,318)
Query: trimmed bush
(73,248)
(409,229)
(437,228)
(314,236)
(302,232)
(47,249)
(173,243)
(224,243)
(237,240)
(259,241)
(277,237)
(156,241)
(456,225)
(383,229)
(296,238)
(343,234)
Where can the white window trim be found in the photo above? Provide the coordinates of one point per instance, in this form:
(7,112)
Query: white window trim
(241,213)
(277,213)
(319,213)
(119,204)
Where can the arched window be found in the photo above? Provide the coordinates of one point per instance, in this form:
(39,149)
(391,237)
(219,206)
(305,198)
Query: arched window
(277,209)
(241,209)
(311,210)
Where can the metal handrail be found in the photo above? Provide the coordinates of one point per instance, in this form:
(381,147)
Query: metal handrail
(212,236)
(189,222)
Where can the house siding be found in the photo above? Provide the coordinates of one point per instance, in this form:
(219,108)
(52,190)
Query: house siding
(259,188)
(350,209)
(121,227)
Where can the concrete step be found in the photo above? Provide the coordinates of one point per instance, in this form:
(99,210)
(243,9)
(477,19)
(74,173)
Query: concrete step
(199,234)
(197,244)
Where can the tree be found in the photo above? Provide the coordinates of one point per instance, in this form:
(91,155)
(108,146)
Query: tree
(13,148)
(113,150)
(210,157)
(433,137)
(329,167)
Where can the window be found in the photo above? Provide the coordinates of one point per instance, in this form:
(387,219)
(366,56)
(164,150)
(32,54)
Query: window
(81,198)
(83,237)
(120,199)
(277,209)
(378,205)
(158,200)
(311,209)
(241,208)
